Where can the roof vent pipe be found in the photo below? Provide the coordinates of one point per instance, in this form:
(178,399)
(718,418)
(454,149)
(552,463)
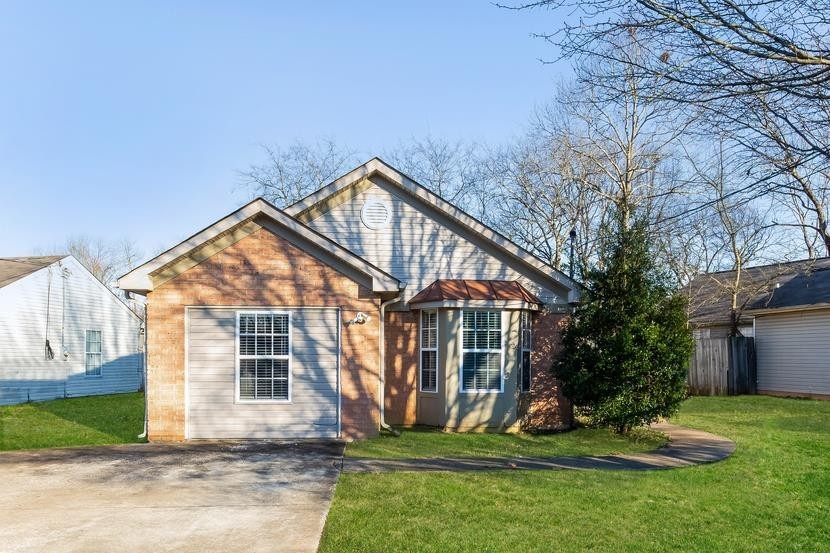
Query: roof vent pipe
(571,257)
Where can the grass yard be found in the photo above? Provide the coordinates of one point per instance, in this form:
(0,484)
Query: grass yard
(429,442)
(773,494)
(94,420)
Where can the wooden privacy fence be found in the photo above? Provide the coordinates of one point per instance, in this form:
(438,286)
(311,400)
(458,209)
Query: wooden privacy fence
(723,366)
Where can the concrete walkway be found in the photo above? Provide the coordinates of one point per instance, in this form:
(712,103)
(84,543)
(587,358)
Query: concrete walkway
(687,447)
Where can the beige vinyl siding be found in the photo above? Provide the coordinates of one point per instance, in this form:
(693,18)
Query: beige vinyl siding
(76,304)
(793,352)
(213,409)
(471,410)
(419,245)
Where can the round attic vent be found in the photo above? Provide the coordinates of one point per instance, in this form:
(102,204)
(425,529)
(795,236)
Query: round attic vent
(375,214)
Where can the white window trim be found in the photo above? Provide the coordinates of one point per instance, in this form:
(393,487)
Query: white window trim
(504,320)
(523,349)
(423,349)
(101,353)
(289,357)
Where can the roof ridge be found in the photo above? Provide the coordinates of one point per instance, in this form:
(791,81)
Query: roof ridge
(258,207)
(435,201)
(23,258)
(775,264)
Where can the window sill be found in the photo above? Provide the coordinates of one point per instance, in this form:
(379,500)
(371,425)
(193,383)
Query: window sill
(262,401)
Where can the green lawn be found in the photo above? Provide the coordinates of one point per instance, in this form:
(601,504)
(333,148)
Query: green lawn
(95,420)
(773,494)
(427,442)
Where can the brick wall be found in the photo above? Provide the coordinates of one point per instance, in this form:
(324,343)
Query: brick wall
(401,367)
(261,270)
(546,408)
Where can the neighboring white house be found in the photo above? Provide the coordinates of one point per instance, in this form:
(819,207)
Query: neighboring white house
(792,333)
(786,308)
(63,333)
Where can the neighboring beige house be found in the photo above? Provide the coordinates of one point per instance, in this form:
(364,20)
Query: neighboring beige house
(370,302)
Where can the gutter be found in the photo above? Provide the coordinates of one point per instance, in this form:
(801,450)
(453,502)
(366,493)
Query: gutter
(382,368)
(788,309)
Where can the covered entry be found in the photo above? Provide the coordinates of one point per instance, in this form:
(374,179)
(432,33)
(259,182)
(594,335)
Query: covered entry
(262,373)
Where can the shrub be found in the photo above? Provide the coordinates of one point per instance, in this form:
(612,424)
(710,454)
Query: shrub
(626,349)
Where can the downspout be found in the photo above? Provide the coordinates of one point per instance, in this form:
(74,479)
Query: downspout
(382,368)
(64,352)
(339,373)
(143,326)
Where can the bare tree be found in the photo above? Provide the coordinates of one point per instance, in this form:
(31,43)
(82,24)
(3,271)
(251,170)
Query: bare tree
(291,173)
(689,244)
(741,232)
(800,177)
(542,197)
(600,147)
(626,134)
(803,221)
(718,48)
(105,260)
(756,71)
(453,170)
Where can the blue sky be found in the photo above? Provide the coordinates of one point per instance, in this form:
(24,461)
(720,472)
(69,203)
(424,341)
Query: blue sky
(132,120)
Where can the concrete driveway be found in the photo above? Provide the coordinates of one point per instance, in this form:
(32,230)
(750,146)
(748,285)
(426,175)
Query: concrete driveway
(196,497)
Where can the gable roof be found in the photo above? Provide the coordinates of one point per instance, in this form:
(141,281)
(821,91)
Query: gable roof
(376,166)
(809,287)
(231,228)
(800,283)
(461,289)
(15,268)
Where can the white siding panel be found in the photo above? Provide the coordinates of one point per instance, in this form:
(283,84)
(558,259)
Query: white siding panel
(416,248)
(74,305)
(214,412)
(793,352)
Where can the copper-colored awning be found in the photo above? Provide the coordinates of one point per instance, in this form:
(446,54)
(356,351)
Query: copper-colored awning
(463,290)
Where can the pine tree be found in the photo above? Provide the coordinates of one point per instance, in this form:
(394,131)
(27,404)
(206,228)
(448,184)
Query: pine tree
(626,349)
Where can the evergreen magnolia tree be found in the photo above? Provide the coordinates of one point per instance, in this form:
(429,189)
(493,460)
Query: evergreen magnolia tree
(626,349)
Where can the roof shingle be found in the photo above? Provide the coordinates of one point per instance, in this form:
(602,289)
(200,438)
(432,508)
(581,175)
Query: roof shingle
(798,283)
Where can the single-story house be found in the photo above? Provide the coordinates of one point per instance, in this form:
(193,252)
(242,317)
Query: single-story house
(372,301)
(786,308)
(792,333)
(63,333)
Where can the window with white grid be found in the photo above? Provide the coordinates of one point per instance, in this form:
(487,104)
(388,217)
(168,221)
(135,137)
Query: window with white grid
(481,356)
(429,351)
(264,356)
(93,353)
(526,349)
